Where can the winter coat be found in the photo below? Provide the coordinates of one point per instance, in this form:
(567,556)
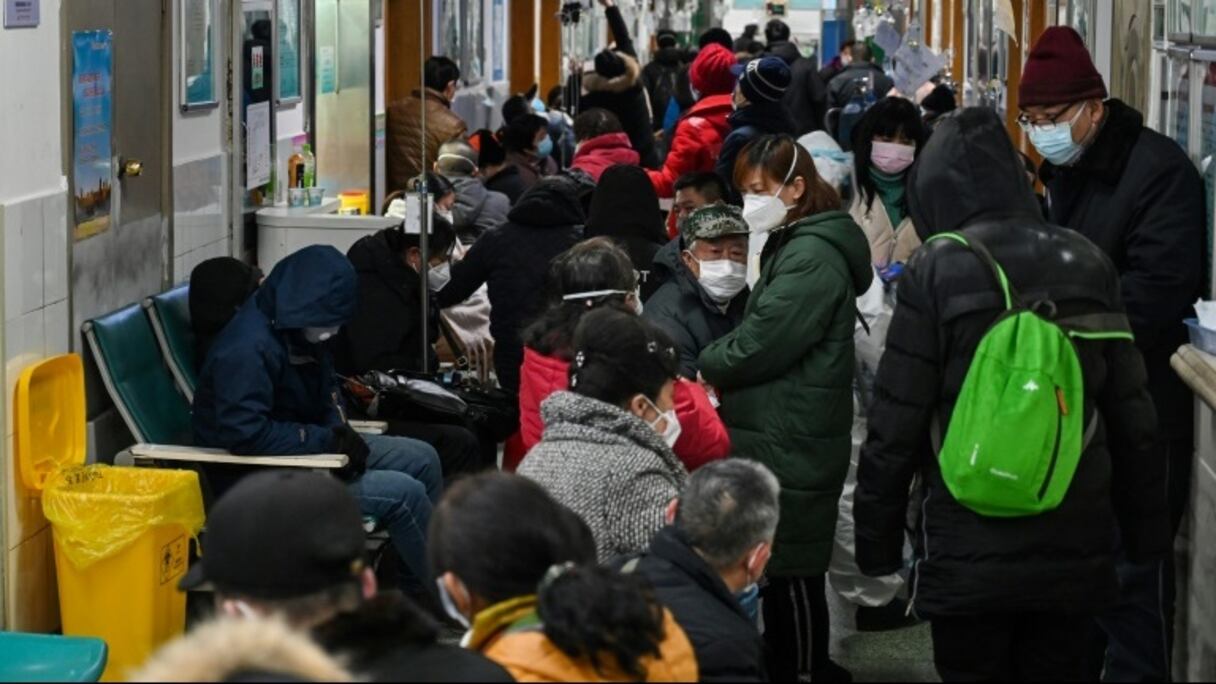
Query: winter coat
(404,131)
(514,260)
(508,181)
(389,639)
(747,124)
(786,378)
(245,649)
(702,439)
(888,244)
(845,85)
(1136,195)
(807,96)
(385,332)
(477,208)
(625,97)
(264,390)
(729,647)
(511,633)
(531,168)
(683,308)
(609,467)
(1061,561)
(626,209)
(696,143)
(661,79)
(597,154)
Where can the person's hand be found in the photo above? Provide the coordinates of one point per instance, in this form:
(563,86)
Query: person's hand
(347,441)
(709,389)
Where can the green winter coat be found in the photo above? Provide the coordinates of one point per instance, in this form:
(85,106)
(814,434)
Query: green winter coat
(786,378)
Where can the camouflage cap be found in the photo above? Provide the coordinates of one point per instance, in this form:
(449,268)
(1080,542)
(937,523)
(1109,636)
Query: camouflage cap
(713,221)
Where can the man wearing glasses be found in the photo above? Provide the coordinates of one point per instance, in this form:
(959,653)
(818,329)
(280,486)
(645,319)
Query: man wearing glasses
(1135,194)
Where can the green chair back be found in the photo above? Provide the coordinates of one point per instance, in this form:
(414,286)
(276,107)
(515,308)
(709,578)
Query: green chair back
(50,658)
(136,377)
(169,313)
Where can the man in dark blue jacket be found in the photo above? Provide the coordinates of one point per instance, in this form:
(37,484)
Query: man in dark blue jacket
(759,110)
(268,388)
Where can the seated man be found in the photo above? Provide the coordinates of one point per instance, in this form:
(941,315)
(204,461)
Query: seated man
(693,191)
(385,332)
(704,565)
(303,563)
(218,289)
(268,388)
(477,209)
(704,275)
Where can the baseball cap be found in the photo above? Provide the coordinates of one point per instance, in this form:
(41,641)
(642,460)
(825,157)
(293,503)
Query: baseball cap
(713,221)
(281,534)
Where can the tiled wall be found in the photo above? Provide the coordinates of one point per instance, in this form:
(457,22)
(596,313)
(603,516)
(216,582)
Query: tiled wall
(199,229)
(35,326)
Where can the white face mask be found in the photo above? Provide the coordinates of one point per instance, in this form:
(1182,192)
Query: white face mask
(437,277)
(766,212)
(446,215)
(319,335)
(637,302)
(671,432)
(722,278)
(596,294)
(449,605)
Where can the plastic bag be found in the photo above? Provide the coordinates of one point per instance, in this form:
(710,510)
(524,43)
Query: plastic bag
(99,510)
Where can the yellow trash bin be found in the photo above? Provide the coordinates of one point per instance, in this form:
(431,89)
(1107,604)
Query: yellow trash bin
(122,535)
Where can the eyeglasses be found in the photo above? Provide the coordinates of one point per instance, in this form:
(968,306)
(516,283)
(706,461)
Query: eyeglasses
(1053,120)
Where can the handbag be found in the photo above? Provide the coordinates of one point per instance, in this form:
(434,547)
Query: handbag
(397,396)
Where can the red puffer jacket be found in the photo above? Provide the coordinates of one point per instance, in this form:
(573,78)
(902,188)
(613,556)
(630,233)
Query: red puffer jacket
(702,439)
(696,143)
(597,154)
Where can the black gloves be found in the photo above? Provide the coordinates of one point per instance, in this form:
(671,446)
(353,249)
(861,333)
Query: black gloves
(347,441)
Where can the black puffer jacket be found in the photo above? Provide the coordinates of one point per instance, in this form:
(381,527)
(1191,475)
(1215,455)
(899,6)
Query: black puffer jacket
(969,178)
(683,308)
(661,78)
(727,644)
(625,208)
(514,259)
(747,124)
(1138,197)
(807,97)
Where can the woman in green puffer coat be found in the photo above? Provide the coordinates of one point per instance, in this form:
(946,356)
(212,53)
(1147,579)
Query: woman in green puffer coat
(785,376)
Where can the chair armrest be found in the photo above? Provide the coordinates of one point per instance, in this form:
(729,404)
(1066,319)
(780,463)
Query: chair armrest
(142,453)
(369,427)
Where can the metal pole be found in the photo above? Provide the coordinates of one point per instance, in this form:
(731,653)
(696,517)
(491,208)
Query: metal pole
(424,196)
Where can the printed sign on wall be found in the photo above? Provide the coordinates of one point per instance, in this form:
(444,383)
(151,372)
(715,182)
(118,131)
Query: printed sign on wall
(92,107)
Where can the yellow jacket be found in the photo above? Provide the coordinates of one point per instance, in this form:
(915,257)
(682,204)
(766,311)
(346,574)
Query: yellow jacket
(511,634)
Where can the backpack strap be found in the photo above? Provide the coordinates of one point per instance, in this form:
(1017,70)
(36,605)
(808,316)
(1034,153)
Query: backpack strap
(1007,289)
(1109,325)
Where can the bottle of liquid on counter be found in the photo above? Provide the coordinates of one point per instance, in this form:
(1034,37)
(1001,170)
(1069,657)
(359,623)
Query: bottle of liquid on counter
(310,167)
(295,170)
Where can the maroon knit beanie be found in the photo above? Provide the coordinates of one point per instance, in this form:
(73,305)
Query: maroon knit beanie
(710,73)
(1059,71)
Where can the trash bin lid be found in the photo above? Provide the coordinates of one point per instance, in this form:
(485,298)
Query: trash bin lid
(49,418)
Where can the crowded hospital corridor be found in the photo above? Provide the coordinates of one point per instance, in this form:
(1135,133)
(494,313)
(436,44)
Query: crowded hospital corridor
(608,340)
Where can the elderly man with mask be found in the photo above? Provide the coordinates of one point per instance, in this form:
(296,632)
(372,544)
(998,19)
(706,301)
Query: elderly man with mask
(477,208)
(1135,194)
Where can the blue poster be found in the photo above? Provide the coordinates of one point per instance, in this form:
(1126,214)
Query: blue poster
(92,107)
(498,42)
(289,49)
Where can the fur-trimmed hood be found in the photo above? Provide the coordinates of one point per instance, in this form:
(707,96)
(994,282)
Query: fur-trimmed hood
(229,648)
(594,83)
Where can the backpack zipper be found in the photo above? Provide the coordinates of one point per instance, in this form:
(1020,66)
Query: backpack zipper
(1061,411)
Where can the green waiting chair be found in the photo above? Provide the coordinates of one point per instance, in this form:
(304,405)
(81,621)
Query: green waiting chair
(50,658)
(169,314)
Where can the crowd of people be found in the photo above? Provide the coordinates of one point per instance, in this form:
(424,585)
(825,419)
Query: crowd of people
(725,413)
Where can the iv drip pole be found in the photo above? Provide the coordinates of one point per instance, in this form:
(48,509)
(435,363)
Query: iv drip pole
(424,200)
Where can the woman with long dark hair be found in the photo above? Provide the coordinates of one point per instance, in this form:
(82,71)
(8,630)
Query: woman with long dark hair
(518,569)
(786,378)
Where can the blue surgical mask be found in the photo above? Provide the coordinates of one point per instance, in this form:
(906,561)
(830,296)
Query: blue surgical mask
(1055,143)
(545,148)
(749,600)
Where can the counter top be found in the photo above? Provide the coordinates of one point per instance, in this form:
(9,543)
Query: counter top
(1198,370)
(323,216)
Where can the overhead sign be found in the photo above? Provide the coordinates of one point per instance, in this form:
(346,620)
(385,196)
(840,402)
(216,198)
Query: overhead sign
(22,13)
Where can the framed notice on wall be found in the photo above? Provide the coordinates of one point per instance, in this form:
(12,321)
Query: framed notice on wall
(197,58)
(289,91)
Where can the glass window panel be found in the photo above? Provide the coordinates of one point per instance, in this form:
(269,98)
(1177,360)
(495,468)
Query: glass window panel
(1208,145)
(1204,17)
(1178,101)
(1180,16)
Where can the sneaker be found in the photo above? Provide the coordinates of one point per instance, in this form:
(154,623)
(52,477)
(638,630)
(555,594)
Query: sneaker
(888,618)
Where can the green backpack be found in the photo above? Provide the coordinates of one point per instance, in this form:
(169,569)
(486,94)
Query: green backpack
(1018,428)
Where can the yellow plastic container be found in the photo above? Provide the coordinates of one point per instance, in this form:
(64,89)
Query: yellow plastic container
(354,201)
(121,534)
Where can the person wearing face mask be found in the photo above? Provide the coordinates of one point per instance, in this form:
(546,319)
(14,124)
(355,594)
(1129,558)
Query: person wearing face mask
(475,208)
(529,148)
(704,564)
(785,376)
(404,148)
(885,143)
(518,570)
(597,274)
(614,428)
(268,388)
(759,111)
(704,274)
(1135,194)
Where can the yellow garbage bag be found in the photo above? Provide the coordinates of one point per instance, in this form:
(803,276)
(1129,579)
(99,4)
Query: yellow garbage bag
(99,510)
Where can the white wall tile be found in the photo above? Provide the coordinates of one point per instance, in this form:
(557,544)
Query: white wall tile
(13,215)
(57,327)
(24,344)
(32,265)
(55,247)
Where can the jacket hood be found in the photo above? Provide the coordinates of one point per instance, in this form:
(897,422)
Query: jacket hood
(387,622)
(471,196)
(787,51)
(609,141)
(552,203)
(222,650)
(569,416)
(312,288)
(625,207)
(670,56)
(838,229)
(712,105)
(968,171)
(769,117)
(594,83)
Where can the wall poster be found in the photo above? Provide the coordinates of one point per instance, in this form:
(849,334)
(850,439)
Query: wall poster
(498,42)
(289,52)
(92,107)
(197,58)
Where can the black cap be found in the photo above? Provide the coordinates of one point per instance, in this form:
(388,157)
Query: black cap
(609,64)
(281,534)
